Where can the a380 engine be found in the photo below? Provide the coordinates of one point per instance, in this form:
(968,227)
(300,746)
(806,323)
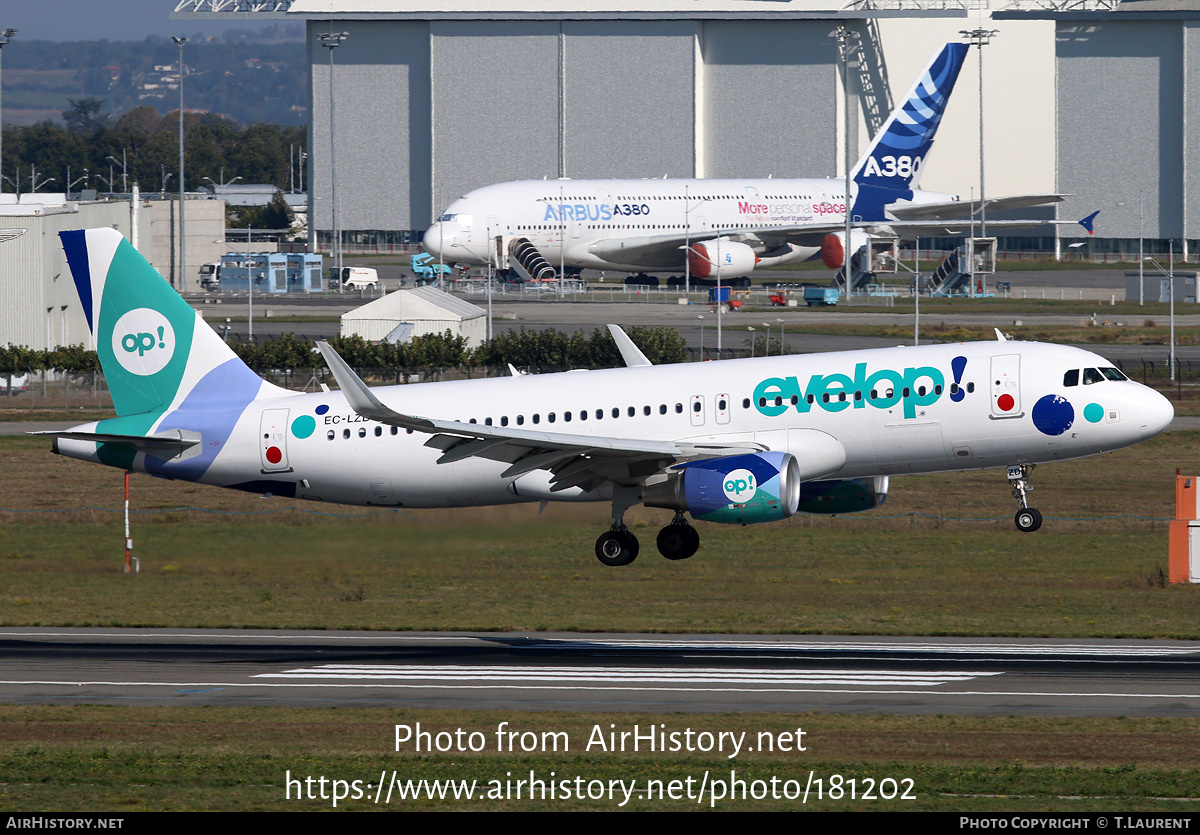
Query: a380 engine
(739,490)
(735,258)
(833,246)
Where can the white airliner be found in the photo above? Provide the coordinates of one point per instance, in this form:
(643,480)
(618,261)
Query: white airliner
(737,441)
(722,228)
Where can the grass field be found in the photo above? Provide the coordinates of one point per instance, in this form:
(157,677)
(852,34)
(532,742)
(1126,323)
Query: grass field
(923,564)
(941,557)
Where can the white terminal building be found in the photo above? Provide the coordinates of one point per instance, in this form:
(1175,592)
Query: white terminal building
(434,98)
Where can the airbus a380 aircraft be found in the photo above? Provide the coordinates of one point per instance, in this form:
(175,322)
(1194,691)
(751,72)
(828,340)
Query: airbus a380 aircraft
(736,441)
(734,225)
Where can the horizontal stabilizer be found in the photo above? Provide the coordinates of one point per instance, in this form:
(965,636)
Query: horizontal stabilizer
(173,444)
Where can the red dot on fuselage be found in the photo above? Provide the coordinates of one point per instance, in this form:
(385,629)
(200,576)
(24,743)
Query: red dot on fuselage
(1005,402)
(275,456)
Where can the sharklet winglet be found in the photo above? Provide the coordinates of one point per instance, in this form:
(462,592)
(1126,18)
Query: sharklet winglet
(630,352)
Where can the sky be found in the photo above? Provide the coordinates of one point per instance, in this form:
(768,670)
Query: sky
(115,20)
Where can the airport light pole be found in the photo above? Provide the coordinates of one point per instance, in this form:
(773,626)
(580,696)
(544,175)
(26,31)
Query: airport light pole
(844,37)
(5,37)
(701,318)
(124,179)
(752,332)
(331,41)
(179,41)
(1170,274)
(767,352)
(687,244)
(72,183)
(782,336)
(1141,254)
(980,38)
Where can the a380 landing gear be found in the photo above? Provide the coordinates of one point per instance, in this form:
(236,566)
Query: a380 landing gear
(678,540)
(1027,519)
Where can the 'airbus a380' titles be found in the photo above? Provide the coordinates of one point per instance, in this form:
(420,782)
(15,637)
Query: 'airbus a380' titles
(736,441)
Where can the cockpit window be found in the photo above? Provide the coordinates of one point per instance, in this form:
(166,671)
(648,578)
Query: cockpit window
(447,218)
(1113,373)
(1071,378)
(1092,375)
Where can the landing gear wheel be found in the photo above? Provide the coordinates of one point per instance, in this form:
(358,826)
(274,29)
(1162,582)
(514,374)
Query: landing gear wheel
(1028,520)
(617,547)
(678,541)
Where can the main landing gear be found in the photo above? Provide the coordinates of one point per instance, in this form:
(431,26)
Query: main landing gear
(618,545)
(1027,519)
(678,540)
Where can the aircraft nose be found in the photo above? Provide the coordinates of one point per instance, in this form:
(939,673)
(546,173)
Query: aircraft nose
(432,240)
(1157,414)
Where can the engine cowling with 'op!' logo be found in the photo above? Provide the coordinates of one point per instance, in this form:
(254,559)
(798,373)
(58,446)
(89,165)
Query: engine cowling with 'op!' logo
(737,490)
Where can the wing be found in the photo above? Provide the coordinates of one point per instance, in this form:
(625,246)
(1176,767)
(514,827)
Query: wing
(584,461)
(963,210)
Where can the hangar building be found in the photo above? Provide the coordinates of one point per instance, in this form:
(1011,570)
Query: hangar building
(432,99)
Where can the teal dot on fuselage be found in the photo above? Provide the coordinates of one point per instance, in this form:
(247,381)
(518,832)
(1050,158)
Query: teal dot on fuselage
(1093,412)
(304,426)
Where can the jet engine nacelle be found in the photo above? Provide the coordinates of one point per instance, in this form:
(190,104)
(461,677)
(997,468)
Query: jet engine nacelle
(739,490)
(833,246)
(848,495)
(735,258)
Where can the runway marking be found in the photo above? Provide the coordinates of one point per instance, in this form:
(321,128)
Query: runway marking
(991,694)
(631,675)
(625,674)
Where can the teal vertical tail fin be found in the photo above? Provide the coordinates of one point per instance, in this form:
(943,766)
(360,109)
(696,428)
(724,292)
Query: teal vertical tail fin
(157,353)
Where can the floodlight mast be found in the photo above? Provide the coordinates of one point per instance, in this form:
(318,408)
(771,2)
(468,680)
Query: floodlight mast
(5,37)
(179,41)
(331,41)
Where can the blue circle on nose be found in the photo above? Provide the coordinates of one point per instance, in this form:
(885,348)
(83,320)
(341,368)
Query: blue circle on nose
(1053,414)
(322,409)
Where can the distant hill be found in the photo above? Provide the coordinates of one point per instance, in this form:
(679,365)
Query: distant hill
(249,80)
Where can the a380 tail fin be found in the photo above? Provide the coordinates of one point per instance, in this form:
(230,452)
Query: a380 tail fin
(891,167)
(157,354)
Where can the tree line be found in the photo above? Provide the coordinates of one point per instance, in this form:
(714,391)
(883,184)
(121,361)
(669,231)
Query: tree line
(144,147)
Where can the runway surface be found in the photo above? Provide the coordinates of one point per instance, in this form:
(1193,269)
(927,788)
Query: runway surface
(567,671)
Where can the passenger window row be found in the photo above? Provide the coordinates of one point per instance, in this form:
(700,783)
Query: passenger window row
(362,432)
(582,414)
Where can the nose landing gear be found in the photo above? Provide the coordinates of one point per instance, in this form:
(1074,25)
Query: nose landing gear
(1027,519)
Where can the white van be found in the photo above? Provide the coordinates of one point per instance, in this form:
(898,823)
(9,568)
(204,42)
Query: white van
(359,277)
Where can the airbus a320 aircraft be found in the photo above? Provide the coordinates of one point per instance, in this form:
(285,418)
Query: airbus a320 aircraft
(736,441)
(723,228)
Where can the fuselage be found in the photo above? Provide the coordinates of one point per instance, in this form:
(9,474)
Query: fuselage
(893,411)
(589,223)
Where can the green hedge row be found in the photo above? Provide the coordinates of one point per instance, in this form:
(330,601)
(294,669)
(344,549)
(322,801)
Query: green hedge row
(526,349)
